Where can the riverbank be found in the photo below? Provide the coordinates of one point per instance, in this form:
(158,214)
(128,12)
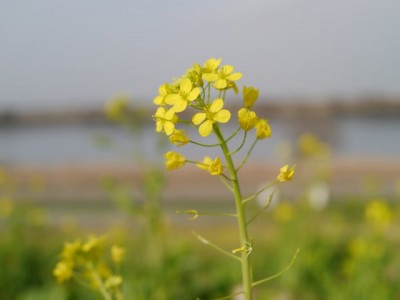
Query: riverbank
(83,182)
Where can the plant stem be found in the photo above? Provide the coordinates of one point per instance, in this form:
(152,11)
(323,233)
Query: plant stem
(247,278)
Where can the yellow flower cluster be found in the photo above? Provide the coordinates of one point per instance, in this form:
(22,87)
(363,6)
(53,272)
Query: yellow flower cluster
(194,91)
(85,260)
(378,214)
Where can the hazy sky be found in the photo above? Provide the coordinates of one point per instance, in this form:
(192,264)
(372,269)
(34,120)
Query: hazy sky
(57,53)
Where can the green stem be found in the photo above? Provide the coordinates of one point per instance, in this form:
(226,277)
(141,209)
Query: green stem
(247,277)
(100,284)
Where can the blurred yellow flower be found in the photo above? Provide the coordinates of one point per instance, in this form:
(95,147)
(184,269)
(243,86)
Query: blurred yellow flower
(212,114)
(71,250)
(285,173)
(263,130)
(117,253)
(174,160)
(378,214)
(186,94)
(223,77)
(179,138)
(165,120)
(247,119)
(284,212)
(93,247)
(310,145)
(116,106)
(250,95)
(63,271)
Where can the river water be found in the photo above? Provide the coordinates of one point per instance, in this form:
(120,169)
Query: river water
(102,143)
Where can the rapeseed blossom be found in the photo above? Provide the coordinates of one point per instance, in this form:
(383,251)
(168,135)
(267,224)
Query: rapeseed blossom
(250,96)
(247,119)
(187,93)
(179,138)
(165,120)
(174,160)
(263,130)
(212,114)
(285,173)
(117,253)
(223,78)
(163,91)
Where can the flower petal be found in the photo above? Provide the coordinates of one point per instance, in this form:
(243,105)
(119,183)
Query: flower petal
(227,69)
(169,127)
(186,85)
(217,105)
(205,128)
(193,94)
(198,118)
(210,77)
(222,116)
(234,76)
(180,105)
(220,84)
(171,99)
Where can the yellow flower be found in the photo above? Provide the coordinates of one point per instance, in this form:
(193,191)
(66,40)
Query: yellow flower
(310,145)
(117,253)
(165,120)
(284,212)
(247,119)
(223,78)
(378,214)
(93,247)
(285,173)
(63,271)
(263,130)
(211,65)
(186,94)
(174,160)
(205,164)
(163,92)
(179,138)
(194,75)
(250,96)
(116,106)
(70,250)
(213,113)
(214,167)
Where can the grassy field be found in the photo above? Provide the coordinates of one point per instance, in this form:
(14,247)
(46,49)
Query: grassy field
(345,251)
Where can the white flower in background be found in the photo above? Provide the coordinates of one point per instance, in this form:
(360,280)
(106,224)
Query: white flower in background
(319,195)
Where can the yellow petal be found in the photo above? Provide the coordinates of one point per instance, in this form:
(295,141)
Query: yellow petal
(205,128)
(216,105)
(198,118)
(169,127)
(220,84)
(227,69)
(222,116)
(234,76)
(210,77)
(186,85)
(171,99)
(159,100)
(193,94)
(180,105)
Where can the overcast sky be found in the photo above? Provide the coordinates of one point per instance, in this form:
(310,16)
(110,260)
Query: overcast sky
(71,53)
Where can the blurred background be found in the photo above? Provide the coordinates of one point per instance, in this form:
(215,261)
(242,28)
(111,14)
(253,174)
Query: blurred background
(329,81)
